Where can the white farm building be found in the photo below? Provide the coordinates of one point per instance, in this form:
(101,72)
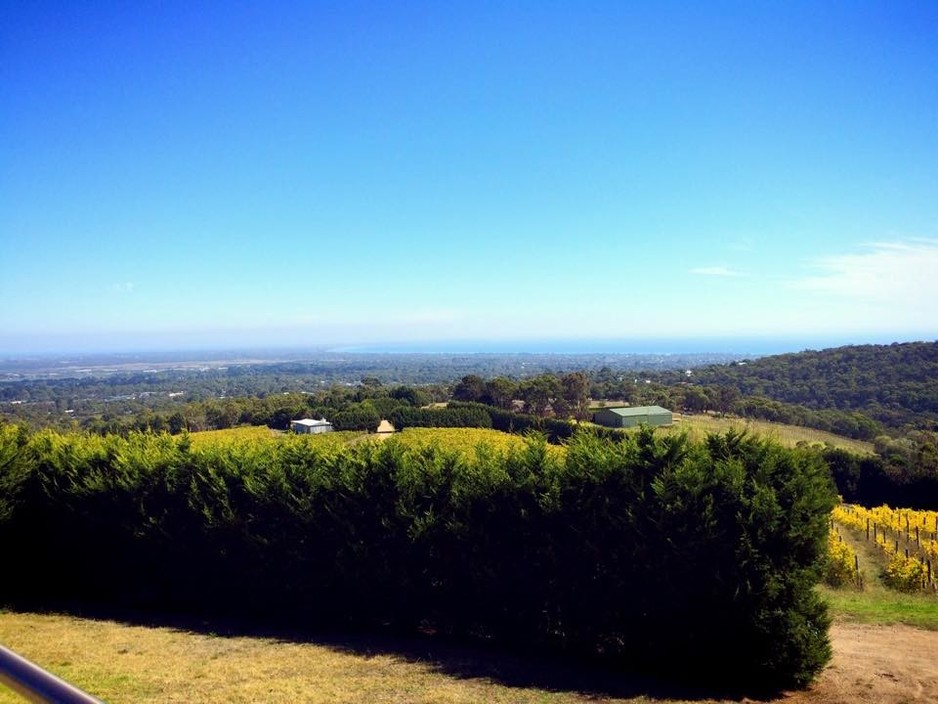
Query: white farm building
(308,426)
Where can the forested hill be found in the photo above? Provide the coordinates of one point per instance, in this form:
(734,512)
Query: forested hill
(895,384)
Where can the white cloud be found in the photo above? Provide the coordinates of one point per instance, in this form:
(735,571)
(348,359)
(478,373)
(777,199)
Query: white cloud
(716,271)
(902,273)
(884,287)
(124,287)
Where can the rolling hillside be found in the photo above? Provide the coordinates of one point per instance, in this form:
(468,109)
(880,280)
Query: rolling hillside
(894,384)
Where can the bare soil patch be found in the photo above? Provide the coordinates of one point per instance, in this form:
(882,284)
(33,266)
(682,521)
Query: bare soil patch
(877,665)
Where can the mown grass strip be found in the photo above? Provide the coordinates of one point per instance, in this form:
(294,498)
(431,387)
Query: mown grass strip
(883,607)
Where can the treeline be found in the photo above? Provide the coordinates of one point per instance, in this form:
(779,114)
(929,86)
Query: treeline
(568,396)
(562,395)
(904,472)
(850,424)
(696,559)
(348,408)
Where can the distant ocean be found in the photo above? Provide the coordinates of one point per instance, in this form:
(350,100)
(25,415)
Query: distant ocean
(737,346)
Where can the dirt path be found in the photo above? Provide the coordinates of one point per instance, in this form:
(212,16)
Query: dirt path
(877,665)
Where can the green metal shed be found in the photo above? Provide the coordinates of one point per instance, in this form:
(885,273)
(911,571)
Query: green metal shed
(632,416)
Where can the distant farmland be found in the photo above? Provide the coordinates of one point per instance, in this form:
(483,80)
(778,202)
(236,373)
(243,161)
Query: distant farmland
(696,426)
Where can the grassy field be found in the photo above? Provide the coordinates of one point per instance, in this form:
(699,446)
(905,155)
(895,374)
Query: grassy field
(698,425)
(124,662)
(119,662)
(878,605)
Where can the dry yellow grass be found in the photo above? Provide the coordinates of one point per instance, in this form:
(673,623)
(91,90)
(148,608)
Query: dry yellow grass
(698,425)
(123,663)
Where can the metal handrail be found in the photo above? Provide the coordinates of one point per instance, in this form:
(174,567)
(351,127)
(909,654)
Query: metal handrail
(37,685)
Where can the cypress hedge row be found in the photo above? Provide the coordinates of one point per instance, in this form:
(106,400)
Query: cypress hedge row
(475,416)
(660,554)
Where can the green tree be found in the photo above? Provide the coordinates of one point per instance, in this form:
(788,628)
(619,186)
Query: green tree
(726,398)
(576,386)
(696,400)
(470,388)
(177,423)
(410,395)
(500,392)
(538,393)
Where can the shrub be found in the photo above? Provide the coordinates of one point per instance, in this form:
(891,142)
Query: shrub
(840,569)
(906,574)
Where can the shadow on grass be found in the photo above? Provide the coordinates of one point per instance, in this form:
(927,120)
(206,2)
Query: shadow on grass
(538,670)
(457,658)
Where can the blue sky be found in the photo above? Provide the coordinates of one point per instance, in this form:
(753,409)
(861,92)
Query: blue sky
(184,174)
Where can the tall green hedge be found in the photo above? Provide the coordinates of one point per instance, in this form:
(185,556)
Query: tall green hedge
(695,559)
(462,417)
